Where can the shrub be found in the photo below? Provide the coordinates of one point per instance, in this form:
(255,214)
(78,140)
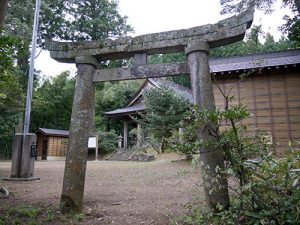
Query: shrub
(108,141)
(267,191)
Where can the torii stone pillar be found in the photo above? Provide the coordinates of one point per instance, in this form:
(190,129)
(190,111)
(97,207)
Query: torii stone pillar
(203,95)
(80,127)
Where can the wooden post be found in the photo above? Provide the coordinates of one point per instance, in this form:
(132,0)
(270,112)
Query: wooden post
(125,141)
(96,149)
(180,133)
(80,127)
(139,135)
(211,159)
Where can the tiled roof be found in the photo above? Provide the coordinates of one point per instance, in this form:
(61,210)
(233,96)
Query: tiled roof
(126,110)
(185,92)
(179,89)
(259,60)
(53,132)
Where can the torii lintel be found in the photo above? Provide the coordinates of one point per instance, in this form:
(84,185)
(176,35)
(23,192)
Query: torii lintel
(224,32)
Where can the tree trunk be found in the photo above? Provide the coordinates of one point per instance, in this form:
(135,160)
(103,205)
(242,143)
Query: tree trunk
(3,9)
(162,146)
(211,159)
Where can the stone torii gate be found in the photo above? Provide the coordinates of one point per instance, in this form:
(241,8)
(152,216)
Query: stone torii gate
(195,42)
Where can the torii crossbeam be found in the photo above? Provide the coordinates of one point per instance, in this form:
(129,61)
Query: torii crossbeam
(195,42)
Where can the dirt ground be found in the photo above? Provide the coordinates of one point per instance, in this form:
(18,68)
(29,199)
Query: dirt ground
(115,192)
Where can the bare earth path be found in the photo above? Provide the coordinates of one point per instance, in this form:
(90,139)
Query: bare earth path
(115,192)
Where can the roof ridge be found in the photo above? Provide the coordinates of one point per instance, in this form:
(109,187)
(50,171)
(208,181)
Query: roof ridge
(256,54)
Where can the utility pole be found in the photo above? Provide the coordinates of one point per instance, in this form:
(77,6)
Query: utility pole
(31,67)
(24,145)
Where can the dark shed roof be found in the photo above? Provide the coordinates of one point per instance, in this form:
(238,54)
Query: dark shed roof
(53,132)
(259,60)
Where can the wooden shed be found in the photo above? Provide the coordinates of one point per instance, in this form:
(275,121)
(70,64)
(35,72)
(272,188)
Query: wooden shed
(271,93)
(52,144)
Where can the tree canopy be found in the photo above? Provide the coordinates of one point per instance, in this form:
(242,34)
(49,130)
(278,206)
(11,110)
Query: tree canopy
(52,102)
(292,25)
(165,108)
(68,20)
(110,96)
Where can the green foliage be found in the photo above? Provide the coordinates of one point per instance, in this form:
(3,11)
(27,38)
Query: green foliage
(291,27)
(67,20)
(9,45)
(23,215)
(10,103)
(38,215)
(232,6)
(183,80)
(265,189)
(52,103)
(10,92)
(167,58)
(111,96)
(62,20)
(95,20)
(165,108)
(252,44)
(108,141)
(271,195)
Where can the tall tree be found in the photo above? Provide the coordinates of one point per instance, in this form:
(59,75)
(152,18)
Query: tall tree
(10,91)
(252,44)
(62,20)
(65,20)
(52,102)
(165,108)
(111,96)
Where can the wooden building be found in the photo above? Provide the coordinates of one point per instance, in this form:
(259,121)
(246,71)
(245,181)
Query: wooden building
(52,144)
(271,93)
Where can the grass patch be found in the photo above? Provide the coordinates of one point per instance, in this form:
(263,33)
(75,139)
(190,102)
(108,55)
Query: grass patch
(30,215)
(23,215)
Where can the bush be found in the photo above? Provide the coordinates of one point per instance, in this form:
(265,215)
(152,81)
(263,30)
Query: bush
(271,196)
(108,141)
(267,190)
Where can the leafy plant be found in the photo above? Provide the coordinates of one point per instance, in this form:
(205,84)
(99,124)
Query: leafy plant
(165,108)
(265,189)
(108,141)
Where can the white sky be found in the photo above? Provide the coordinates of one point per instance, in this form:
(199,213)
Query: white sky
(150,16)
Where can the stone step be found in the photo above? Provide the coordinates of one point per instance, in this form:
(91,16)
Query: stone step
(122,154)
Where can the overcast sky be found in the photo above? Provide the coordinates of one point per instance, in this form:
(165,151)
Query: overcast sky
(150,16)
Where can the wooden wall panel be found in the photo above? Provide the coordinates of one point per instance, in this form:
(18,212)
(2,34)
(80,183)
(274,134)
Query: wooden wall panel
(57,146)
(273,100)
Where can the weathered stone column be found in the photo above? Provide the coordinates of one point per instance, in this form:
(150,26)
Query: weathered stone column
(215,185)
(125,133)
(80,128)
